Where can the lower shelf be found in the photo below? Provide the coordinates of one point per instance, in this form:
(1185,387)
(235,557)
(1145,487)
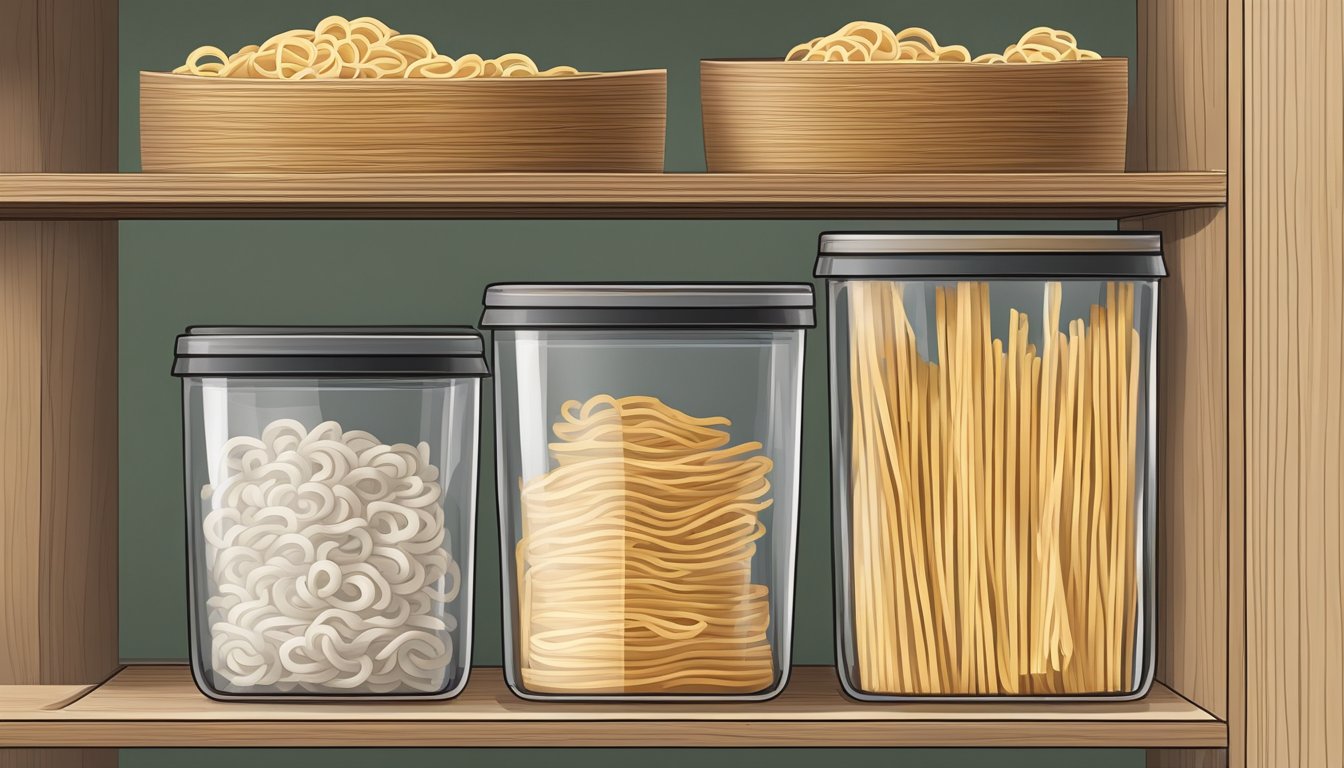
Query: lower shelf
(159,706)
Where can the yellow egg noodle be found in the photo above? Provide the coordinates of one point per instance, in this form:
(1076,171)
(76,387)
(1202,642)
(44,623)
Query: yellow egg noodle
(634,567)
(993,497)
(867,41)
(1040,45)
(329,564)
(341,49)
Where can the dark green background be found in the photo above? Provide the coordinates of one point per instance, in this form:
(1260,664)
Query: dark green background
(178,273)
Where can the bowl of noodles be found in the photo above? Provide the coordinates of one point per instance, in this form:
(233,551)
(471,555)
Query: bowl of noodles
(867,99)
(354,95)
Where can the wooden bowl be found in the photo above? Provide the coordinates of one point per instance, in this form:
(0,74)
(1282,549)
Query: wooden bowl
(602,122)
(776,116)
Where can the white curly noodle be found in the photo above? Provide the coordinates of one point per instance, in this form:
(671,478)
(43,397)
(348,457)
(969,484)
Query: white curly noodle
(329,564)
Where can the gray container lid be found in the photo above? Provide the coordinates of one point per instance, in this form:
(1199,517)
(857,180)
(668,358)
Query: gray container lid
(330,351)
(1018,255)
(648,305)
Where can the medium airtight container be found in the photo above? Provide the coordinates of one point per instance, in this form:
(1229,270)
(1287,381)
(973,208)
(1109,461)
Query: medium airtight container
(331,491)
(993,405)
(648,441)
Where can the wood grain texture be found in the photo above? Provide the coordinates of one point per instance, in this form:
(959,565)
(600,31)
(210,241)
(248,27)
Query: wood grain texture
(1294,224)
(604,122)
(1193,479)
(1181,120)
(655,195)
(1236,389)
(58,402)
(20,452)
(159,706)
(776,116)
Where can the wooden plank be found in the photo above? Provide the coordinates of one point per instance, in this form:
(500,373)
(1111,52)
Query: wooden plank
(27,698)
(159,706)
(1236,388)
(58,401)
(58,485)
(1294,225)
(20,453)
(1180,121)
(566,195)
(1193,479)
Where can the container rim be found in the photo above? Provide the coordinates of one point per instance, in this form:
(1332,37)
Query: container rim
(1009,255)
(330,351)
(649,305)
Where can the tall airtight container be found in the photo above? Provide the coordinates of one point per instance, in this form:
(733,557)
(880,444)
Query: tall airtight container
(331,502)
(993,407)
(648,440)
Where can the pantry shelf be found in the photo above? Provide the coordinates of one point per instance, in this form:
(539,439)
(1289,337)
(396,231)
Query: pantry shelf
(68,196)
(158,706)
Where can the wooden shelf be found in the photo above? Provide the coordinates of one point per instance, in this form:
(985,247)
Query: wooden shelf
(159,706)
(667,196)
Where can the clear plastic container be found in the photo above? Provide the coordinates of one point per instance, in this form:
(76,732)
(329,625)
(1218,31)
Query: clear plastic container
(648,440)
(331,493)
(993,408)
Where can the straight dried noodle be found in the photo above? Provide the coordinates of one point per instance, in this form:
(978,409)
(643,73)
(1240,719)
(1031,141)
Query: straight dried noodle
(993,497)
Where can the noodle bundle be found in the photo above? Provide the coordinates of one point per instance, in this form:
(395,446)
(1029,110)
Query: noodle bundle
(329,563)
(993,497)
(342,49)
(868,41)
(634,568)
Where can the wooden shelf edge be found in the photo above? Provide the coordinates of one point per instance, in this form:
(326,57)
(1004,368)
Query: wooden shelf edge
(159,706)
(609,196)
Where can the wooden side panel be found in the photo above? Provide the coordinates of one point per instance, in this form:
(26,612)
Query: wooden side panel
(1192,457)
(77,613)
(1294,221)
(1181,121)
(20,451)
(1183,125)
(1236,388)
(58,393)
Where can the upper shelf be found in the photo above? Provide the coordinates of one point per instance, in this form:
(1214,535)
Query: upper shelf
(158,706)
(605,196)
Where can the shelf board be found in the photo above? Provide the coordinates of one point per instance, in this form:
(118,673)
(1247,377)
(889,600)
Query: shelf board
(159,706)
(616,196)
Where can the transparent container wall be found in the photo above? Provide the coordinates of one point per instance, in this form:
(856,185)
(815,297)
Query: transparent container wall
(994,487)
(330,535)
(648,485)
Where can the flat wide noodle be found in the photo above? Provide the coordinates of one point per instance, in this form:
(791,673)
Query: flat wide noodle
(634,568)
(338,48)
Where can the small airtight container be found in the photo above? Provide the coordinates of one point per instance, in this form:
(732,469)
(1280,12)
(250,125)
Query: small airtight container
(648,440)
(993,409)
(331,498)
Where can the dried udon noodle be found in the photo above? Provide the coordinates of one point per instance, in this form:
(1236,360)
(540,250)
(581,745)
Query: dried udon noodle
(634,567)
(365,47)
(329,565)
(867,41)
(993,497)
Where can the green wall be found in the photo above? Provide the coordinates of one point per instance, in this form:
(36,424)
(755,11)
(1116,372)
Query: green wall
(178,273)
